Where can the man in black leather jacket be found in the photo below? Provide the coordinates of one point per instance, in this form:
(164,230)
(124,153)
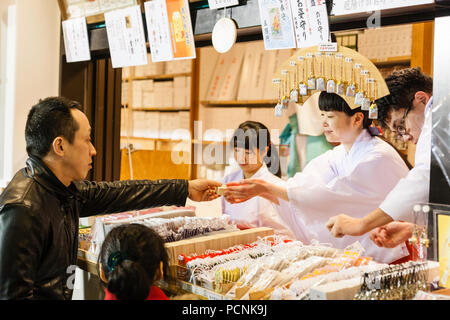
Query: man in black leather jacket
(41,206)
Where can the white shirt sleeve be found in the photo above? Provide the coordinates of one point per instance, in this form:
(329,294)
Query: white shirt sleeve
(415,187)
(312,201)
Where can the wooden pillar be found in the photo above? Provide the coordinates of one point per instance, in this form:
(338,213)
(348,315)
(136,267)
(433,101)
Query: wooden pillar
(422,46)
(97,86)
(194,111)
(422,52)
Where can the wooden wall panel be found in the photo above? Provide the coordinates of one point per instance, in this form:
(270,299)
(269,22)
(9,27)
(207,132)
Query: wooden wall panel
(153,165)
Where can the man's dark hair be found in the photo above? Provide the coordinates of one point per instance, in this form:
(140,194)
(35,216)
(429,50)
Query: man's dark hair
(403,85)
(48,119)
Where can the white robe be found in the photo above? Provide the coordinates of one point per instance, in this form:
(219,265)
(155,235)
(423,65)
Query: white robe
(414,188)
(337,182)
(256,212)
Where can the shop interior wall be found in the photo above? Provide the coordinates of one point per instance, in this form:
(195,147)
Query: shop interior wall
(7,48)
(35,72)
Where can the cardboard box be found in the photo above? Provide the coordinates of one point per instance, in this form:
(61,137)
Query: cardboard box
(188,92)
(280,56)
(228,90)
(152,124)
(178,66)
(218,75)
(340,290)
(124,96)
(168,123)
(250,66)
(179,97)
(125,73)
(179,82)
(148,99)
(136,90)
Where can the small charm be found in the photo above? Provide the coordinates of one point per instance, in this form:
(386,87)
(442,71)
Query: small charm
(303,89)
(340,88)
(320,84)
(285,102)
(312,83)
(350,90)
(359,98)
(294,95)
(278,110)
(365,104)
(373,111)
(331,86)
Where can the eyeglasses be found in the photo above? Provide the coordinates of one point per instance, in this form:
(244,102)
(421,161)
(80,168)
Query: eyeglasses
(401,128)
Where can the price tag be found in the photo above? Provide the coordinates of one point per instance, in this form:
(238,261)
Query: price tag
(292,63)
(364,72)
(301,58)
(328,47)
(339,55)
(309,55)
(370,80)
(216,4)
(284,72)
(348,59)
(329,54)
(276,80)
(358,65)
(318,54)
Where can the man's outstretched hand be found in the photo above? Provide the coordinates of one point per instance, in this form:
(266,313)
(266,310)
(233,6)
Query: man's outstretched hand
(203,190)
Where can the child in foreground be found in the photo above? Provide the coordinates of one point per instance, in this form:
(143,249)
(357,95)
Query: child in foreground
(131,259)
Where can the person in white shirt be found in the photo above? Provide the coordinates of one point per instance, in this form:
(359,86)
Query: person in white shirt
(407,112)
(353,177)
(255,155)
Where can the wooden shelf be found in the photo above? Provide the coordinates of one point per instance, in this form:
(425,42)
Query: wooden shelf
(175,141)
(392,61)
(174,109)
(209,142)
(159,77)
(154,139)
(240,103)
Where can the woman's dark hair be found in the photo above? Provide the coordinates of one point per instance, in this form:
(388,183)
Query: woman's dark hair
(48,119)
(334,102)
(130,257)
(250,135)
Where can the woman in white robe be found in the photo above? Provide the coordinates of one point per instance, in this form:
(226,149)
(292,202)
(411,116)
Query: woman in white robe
(353,177)
(251,150)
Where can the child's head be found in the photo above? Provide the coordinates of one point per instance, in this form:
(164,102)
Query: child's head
(252,146)
(132,257)
(340,121)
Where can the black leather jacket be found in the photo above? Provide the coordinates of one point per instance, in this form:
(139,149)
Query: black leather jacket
(39,225)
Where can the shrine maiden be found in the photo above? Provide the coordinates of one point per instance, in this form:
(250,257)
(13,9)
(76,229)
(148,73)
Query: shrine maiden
(253,152)
(354,178)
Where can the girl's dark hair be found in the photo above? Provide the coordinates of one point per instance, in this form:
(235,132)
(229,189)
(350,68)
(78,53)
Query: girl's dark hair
(250,135)
(130,257)
(334,102)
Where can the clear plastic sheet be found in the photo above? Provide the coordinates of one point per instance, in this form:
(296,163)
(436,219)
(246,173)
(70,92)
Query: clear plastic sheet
(440,138)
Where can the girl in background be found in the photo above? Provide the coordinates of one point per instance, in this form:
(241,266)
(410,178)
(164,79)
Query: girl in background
(257,159)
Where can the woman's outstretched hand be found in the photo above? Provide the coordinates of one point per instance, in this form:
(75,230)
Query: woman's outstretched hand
(243,190)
